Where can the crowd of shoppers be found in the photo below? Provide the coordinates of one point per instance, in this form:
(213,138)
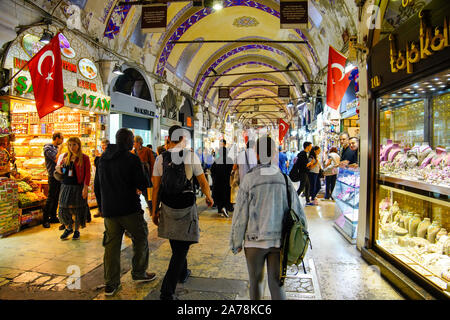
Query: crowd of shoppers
(255,181)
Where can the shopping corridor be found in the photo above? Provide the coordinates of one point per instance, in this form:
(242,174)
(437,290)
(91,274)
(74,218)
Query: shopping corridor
(36,264)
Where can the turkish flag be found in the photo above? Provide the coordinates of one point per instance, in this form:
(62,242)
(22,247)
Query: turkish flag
(338,80)
(46,76)
(283,128)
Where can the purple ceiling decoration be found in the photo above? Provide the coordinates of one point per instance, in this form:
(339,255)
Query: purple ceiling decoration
(116,20)
(205,12)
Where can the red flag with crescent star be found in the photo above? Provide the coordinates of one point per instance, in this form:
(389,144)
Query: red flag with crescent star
(283,128)
(46,76)
(337,82)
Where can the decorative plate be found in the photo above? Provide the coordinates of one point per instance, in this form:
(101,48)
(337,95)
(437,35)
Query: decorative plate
(31,44)
(66,50)
(87,68)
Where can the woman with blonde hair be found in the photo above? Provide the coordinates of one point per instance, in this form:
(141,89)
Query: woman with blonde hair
(75,169)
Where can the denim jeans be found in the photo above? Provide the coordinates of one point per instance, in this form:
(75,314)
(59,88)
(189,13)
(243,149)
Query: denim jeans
(177,268)
(136,225)
(314,183)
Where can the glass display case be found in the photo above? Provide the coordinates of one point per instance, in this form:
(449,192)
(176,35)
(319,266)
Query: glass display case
(412,213)
(346,195)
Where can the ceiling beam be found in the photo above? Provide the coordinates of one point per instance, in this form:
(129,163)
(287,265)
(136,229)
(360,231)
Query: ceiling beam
(245,73)
(237,41)
(256,85)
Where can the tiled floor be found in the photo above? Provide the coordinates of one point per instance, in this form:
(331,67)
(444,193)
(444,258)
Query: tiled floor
(36,260)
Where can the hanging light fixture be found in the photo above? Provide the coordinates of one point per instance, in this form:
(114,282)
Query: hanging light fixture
(117,70)
(290,104)
(46,36)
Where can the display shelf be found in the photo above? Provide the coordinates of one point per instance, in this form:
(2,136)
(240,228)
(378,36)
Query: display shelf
(35,205)
(343,204)
(416,185)
(348,185)
(416,195)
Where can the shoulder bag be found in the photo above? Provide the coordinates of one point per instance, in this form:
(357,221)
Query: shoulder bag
(294,239)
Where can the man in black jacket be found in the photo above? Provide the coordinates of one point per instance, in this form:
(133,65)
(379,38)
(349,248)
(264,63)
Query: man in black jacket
(118,180)
(301,165)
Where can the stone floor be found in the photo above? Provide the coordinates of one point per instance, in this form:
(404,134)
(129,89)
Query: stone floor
(36,264)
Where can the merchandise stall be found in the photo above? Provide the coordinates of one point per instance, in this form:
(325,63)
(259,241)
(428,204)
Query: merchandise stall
(346,195)
(409,192)
(84,113)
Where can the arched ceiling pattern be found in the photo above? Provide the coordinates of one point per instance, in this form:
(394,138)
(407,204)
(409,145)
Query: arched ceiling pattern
(118,28)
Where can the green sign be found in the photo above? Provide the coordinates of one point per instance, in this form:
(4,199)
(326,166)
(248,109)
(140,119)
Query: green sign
(84,100)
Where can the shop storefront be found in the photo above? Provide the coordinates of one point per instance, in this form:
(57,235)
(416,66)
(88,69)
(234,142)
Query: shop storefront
(169,114)
(409,178)
(132,106)
(83,116)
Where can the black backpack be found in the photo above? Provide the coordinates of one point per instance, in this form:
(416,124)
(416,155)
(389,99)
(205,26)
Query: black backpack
(174,180)
(295,173)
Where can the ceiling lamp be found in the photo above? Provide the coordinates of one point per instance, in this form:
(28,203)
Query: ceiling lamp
(117,70)
(46,37)
(218,6)
(290,104)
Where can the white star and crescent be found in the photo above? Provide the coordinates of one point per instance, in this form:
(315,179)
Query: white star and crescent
(48,53)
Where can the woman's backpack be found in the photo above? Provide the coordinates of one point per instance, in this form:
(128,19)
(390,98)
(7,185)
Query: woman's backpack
(294,239)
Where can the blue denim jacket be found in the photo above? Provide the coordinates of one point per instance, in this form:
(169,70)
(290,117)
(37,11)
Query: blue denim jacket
(260,206)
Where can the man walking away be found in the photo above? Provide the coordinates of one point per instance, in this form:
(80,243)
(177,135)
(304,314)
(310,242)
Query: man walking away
(177,220)
(301,168)
(51,153)
(118,177)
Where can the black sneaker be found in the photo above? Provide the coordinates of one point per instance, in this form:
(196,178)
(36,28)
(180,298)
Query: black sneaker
(149,276)
(66,234)
(46,225)
(188,273)
(62,227)
(76,235)
(111,290)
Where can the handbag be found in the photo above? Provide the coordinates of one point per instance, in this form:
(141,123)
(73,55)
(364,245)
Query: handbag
(294,239)
(58,176)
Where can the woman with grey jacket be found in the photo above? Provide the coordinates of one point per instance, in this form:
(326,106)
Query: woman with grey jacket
(257,220)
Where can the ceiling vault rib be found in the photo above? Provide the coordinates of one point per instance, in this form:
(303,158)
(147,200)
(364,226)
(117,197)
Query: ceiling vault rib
(238,41)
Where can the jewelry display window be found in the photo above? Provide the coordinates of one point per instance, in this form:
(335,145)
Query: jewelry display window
(412,209)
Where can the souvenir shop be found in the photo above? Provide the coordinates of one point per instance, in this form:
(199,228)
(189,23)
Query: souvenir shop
(409,179)
(132,106)
(83,116)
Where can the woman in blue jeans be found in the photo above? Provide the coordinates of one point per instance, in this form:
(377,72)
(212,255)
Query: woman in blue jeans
(313,175)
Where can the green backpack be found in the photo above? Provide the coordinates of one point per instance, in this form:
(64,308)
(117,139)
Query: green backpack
(294,240)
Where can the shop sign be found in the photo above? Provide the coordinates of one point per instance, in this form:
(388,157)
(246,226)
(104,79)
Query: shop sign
(428,45)
(87,101)
(19,64)
(87,68)
(375,82)
(131,105)
(145,112)
(86,85)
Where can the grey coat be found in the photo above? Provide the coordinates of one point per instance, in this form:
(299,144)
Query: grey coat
(179,224)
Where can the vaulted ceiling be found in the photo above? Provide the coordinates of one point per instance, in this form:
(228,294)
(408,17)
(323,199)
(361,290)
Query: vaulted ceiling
(201,67)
